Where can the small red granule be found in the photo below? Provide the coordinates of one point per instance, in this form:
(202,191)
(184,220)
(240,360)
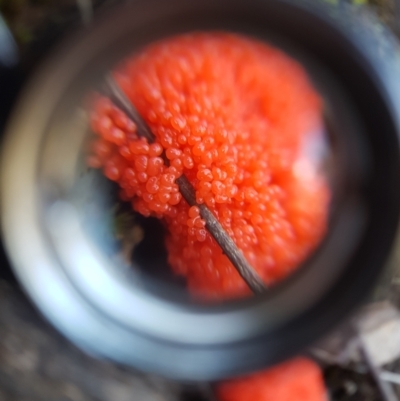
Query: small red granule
(239,118)
(299,379)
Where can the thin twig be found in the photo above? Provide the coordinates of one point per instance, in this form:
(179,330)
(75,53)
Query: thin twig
(234,254)
(385,388)
(390,377)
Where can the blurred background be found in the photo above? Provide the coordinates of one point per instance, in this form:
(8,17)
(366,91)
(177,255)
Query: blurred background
(37,363)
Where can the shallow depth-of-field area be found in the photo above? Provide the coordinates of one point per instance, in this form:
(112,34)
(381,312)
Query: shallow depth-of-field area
(36,363)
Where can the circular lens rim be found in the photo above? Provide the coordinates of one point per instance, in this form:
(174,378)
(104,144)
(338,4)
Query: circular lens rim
(82,320)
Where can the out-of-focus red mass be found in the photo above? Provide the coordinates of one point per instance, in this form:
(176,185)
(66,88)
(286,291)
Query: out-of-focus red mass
(238,118)
(299,379)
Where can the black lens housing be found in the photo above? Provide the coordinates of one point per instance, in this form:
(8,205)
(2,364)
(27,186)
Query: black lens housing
(364,63)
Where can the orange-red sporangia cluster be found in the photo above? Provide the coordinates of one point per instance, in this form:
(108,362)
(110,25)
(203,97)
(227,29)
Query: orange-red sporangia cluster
(299,379)
(241,120)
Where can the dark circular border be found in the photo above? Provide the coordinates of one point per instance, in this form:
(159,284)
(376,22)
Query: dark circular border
(360,59)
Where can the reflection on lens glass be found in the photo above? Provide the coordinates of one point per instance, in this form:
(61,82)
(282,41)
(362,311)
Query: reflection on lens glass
(241,122)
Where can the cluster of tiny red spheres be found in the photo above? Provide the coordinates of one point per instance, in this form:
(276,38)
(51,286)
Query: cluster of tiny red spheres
(237,117)
(298,379)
